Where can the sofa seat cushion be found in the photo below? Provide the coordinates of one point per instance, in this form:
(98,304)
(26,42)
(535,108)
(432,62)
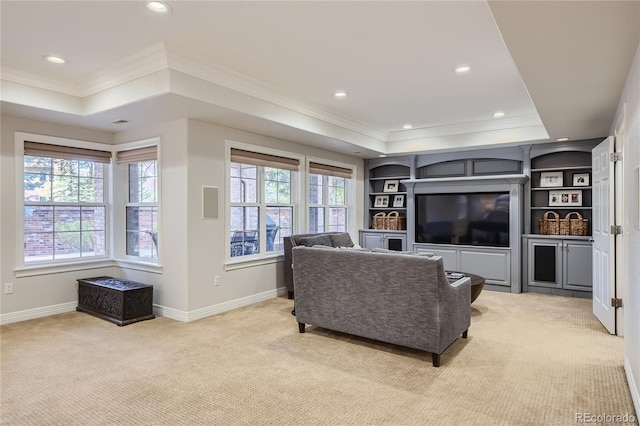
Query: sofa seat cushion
(341,240)
(315,240)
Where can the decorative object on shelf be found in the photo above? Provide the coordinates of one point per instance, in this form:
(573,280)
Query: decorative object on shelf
(381,201)
(395,222)
(379,221)
(391,185)
(581,179)
(577,226)
(565,198)
(550,226)
(398,201)
(551,179)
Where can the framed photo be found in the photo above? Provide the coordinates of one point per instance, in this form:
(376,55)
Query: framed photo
(381,201)
(550,179)
(398,201)
(391,186)
(565,198)
(581,179)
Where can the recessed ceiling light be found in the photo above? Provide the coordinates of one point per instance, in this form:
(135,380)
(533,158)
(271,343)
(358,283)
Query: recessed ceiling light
(340,94)
(463,69)
(498,114)
(562,139)
(407,126)
(158,6)
(55,59)
(382,155)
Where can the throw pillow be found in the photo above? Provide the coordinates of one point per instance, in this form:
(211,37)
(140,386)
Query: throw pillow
(341,240)
(315,240)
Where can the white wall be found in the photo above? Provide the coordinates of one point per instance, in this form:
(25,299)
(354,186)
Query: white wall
(192,250)
(631,252)
(42,294)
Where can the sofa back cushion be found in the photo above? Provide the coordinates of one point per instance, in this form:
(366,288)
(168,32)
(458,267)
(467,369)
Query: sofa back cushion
(315,240)
(342,239)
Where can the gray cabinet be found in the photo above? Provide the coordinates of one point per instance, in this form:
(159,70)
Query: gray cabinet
(390,240)
(559,263)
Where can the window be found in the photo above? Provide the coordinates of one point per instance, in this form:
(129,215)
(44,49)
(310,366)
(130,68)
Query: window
(65,215)
(328,198)
(141,208)
(261,202)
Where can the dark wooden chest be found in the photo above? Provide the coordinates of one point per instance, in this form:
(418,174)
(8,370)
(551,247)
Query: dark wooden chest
(119,301)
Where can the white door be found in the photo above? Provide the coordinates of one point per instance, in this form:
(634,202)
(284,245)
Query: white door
(603,242)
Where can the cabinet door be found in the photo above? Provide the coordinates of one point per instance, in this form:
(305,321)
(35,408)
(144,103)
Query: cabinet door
(397,242)
(545,263)
(577,265)
(373,240)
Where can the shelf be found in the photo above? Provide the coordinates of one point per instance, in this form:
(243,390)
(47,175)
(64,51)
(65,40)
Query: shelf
(390,178)
(387,193)
(560,188)
(384,209)
(558,169)
(562,208)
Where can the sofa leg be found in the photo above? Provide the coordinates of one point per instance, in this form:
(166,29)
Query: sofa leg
(301,327)
(464,335)
(435,358)
(290,294)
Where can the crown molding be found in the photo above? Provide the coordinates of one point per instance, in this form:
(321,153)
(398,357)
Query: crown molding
(527,120)
(210,72)
(138,65)
(15,74)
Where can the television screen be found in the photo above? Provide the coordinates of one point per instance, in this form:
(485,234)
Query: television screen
(479,219)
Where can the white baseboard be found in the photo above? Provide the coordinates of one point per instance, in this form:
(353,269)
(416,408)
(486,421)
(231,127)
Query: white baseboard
(633,386)
(159,310)
(44,311)
(208,311)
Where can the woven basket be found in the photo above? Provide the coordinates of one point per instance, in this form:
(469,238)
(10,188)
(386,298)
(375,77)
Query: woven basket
(395,222)
(379,221)
(550,226)
(577,226)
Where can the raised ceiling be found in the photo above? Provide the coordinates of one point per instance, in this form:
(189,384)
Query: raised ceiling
(556,69)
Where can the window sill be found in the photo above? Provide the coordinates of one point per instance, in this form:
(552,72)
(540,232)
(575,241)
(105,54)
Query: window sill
(232,265)
(35,270)
(153,268)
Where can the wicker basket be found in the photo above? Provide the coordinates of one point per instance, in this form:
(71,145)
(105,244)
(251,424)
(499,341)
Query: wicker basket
(577,226)
(379,221)
(550,226)
(395,222)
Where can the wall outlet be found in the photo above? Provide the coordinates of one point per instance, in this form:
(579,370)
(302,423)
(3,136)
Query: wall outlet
(216,280)
(8,288)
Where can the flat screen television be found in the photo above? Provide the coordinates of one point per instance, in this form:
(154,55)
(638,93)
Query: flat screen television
(478,219)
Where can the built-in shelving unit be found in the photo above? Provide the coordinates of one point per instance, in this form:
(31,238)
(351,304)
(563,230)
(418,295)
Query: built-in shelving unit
(561,183)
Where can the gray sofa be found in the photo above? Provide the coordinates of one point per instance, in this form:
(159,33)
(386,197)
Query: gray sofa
(333,239)
(392,297)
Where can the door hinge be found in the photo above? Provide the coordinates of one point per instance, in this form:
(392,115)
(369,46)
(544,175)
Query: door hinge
(615,156)
(616,303)
(616,230)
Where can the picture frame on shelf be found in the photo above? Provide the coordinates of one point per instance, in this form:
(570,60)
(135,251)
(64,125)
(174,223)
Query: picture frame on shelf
(581,179)
(398,201)
(565,198)
(381,201)
(551,179)
(391,185)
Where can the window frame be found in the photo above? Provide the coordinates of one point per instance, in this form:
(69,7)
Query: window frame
(349,197)
(296,202)
(120,179)
(54,265)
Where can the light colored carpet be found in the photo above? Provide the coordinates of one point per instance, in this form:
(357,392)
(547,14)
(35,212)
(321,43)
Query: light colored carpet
(529,359)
